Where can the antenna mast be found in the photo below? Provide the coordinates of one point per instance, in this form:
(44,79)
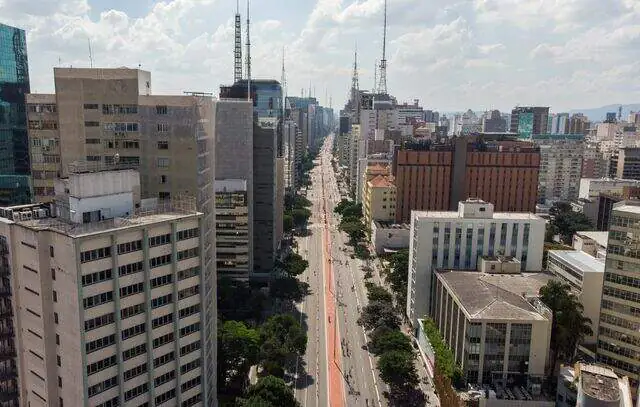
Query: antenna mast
(355,86)
(283,81)
(382,86)
(90,53)
(237,53)
(248,55)
(375,76)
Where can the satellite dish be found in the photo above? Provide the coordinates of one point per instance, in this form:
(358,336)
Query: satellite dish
(116,158)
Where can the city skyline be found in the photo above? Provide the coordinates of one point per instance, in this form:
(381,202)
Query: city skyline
(542,54)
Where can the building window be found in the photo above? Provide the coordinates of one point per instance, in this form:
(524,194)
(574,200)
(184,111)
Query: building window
(91,124)
(163,162)
(163,145)
(53,274)
(95,254)
(55,296)
(164,195)
(163,179)
(91,106)
(161,109)
(51,252)
(163,127)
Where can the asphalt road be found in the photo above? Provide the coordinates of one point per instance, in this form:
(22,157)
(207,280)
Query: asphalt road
(360,383)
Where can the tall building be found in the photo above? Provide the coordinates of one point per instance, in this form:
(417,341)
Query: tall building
(579,124)
(379,200)
(108,117)
(619,332)
(458,240)
(625,163)
(108,295)
(497,170)
(15,183)
(559,123)
(561,157)
(494,123)
(528,120)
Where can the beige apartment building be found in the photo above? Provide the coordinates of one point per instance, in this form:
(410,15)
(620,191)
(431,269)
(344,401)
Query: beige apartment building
(107,295)
(379,203)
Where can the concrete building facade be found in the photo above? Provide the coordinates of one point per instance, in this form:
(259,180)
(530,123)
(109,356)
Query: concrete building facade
(501,171)
(108,117)
(457,240)
(108,295)
(619,329)
(529,120)
(585,274)
(495,325)
(379,203)
(561,157)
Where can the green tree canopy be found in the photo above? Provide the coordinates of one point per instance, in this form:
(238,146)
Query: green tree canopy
(282,339)
(378,314)
(388,341)
(568,325)
(355,230)
(300,216)
(566,222)
(294,264)
(239,301)
(269,391)
(397,369)
(398,274)
(238,348)
(378,293)
(287,222)
(289,288)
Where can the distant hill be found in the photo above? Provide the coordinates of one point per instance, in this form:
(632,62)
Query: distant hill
(599,113)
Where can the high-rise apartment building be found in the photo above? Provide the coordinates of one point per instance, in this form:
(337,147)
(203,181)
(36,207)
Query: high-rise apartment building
(579,124)
(561,157)
(619,330)
(497,170)
(558,123)
(529,120)
(108,117)
(15,186)
(108,295)
(458,240)
(234,189)
(625,163)
(266,96)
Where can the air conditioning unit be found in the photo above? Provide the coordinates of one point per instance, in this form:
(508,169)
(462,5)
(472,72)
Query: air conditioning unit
(119,133)
(43,213)
(46,148)
(26,215)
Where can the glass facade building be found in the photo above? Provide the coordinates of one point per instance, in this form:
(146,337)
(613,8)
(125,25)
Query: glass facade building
(15,185)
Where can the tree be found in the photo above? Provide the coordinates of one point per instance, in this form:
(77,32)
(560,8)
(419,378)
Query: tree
(294,264)
(340,207)
(397,369)
(269,391)
(398,275)
(378,314)
(287,222)
(300,216)
(355,230)
(301,202)
(378,293)
(289,289)
(238,301)
(282,339)
(568,325)
(238,348)
(566,222)
(388,341)
(352,211)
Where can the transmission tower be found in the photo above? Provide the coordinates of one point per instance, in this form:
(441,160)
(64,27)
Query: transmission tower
(382,86)
(237,53)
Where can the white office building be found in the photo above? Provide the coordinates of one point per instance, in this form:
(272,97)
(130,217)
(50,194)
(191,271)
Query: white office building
(107,295)
(457,240)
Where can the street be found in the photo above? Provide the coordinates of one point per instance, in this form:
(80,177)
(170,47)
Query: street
(345,371)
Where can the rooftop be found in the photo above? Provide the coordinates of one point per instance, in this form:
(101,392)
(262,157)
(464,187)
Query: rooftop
(161,212)
(496,296)
(600,383)
(456,215)
(391,225)
(382,181)
(579,259)
(600,238)
(628,207)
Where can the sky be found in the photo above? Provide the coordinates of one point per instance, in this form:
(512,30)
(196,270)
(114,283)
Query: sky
(449,54)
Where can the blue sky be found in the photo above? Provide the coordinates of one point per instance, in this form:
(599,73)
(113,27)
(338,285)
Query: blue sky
(450,54)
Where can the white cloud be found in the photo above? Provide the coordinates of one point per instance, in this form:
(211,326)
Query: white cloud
(563,53)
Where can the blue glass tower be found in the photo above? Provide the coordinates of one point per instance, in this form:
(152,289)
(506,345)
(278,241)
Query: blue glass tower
(15,185)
